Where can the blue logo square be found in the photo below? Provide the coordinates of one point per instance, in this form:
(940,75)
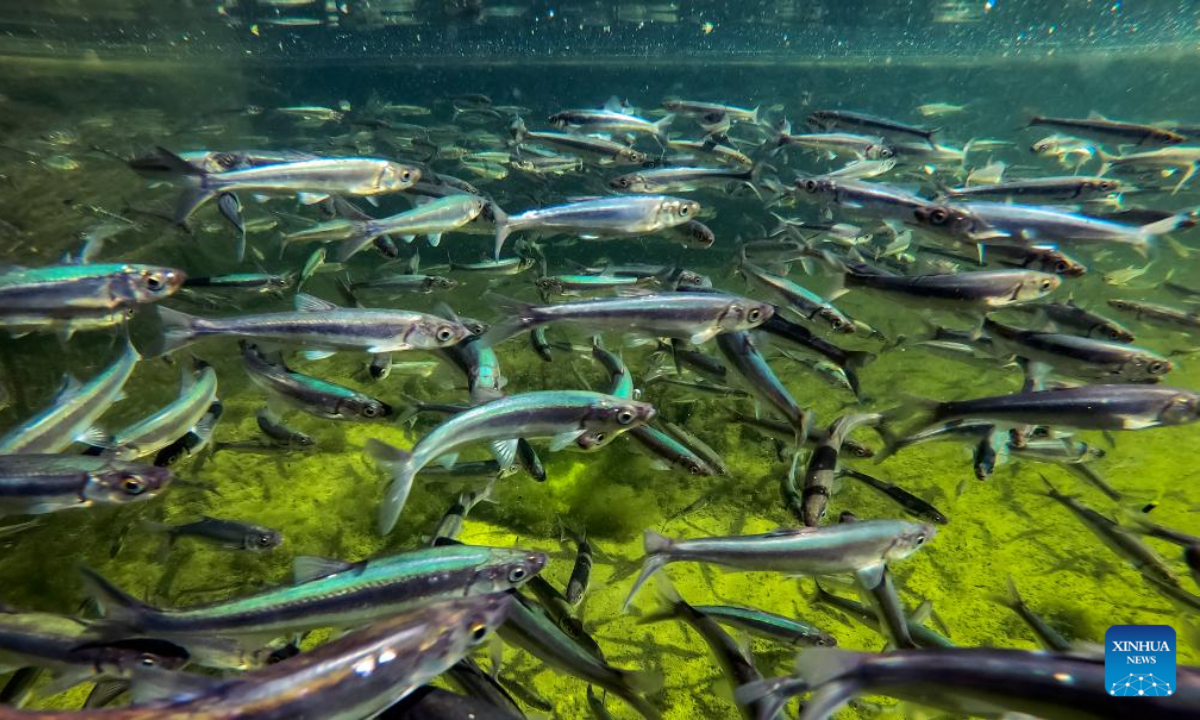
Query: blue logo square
(1139,660)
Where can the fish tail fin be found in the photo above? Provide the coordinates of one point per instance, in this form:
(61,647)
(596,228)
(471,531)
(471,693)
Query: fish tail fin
(754,119)
(859,359)
(522,317)
(670,603)
(178,329)
(119,607)
(175,164)
(660,127)
(763,693)
(656,546)
(1012,600)
(823,669)
(399,463)
(504,227)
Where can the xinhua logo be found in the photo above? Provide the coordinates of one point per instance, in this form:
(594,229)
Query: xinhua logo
(1139,660)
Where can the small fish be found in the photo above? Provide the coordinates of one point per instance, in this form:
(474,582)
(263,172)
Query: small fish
(618,216)
(822,465)
(744,357)
(581,573)
(36,484)
(226,534)
(940,109)
(697,317)
(259,282)
(348,176)
(197,392)
(776,628)
(825,550)
(320,326)
(827,119)
(329,592)
(1079,356)
(1112,129)
(431,220)
(910,503)
(288,389)
(73,412)
(587,419)
(75,297)
(1049,638)
(193,441)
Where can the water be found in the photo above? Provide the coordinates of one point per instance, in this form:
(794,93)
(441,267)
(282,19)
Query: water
(86,85)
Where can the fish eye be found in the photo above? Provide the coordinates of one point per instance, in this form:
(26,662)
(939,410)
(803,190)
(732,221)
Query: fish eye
(625,417)
(479,631)
(264,540)
(445,334)
(600,438)
(148,661)
(1156,367)
(405,176)
(517,574)
(1060,266)
(622,182)
(155,282)
(133,485)
(921,539)
(370,411)
(684,210)
(886,152)
(810,185)
(754,315)
(1046,284)
(939,216)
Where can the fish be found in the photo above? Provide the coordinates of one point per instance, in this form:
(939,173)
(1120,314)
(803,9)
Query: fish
(670,450)
(287,389)
(1126,544)
(696,317)
(1164,160)
(735,664)
(1070,188)
(617,216)
(357,675)
(587,419)
(40,483)
(923,636)
(869,147)
(822,465)
(1107,129)
(531,629)
(712,150)
(1088,407)
(432,703)
(259,282)
(680,179)
(787,631)
(328,593)
(610,119)
(846,119)
(73,412)
(476,360)
(695,107)
(1048,637)
(1071,317)
(850,361)
(194,441)
(739,350)
(505,266)
(974,290)
(940,109)
(408,283)
(1031,224)
(362,177)
(581,573)
(197,392)
(80,297)
(1158,314)
(825,550)
(225,534)
(799,300)
(318,325)
(431,219)
(594,148)
(852,448)
(551,285)
(69,648)
(1000,680)
(911,504)
(1079,356)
